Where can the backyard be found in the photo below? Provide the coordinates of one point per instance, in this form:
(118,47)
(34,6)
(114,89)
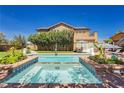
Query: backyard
(67,65)
(48,65)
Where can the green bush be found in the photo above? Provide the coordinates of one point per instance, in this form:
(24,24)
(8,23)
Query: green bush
(118,61)
(19,55)
(114,61)
(99,60)
(12,59)
(4,60)
(92,58)
(12,56)
(110,61)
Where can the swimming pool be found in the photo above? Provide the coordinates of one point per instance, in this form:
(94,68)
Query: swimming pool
(59,58)
(55,73)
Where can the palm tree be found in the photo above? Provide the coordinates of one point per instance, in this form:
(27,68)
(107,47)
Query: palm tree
(101,50)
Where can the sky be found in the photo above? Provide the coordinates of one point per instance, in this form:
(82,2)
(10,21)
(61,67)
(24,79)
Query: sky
(106,20)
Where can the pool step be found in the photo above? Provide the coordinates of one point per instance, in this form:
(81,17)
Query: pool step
(57,63)
(28,76)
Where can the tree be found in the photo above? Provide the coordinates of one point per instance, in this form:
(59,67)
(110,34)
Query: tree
(3,40)
(108,40)
(19,41)
(49,39)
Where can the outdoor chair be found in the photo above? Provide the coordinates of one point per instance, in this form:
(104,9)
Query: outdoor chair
(117,51)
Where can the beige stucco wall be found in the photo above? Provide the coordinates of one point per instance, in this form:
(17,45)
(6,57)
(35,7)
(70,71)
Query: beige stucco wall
(61,28)
(96,36)
(84,35)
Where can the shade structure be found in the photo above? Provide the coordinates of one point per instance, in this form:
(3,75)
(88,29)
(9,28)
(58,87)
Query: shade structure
(121,42)
(110,46)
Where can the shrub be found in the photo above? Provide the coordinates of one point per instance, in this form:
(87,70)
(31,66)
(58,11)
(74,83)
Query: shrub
(92,58)
(99,60)
(3,60)
(50,39)
(12,56)
(12,59)
(110,61)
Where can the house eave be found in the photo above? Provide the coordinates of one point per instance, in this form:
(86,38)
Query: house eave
(64,24)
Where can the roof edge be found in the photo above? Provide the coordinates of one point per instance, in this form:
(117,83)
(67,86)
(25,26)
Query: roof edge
(62,23)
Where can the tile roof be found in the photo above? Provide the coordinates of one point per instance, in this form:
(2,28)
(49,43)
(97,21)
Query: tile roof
(61,23)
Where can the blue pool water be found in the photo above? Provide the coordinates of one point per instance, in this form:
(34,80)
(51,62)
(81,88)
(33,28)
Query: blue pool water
(59,58)
(55,73)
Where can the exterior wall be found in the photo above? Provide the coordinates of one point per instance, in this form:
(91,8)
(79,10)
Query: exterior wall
(5,47)
(96,36)
(84,35)
(60,28)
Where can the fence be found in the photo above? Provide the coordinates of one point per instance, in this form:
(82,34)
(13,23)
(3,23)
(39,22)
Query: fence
(5,47)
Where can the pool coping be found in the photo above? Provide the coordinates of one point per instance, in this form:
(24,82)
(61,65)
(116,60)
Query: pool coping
(57,63)
(63,53)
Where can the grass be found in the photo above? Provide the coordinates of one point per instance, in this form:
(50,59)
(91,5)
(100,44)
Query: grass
(54,51)
(2,54)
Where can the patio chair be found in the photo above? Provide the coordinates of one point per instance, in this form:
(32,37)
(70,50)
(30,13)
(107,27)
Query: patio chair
(117,51)
(120,72)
